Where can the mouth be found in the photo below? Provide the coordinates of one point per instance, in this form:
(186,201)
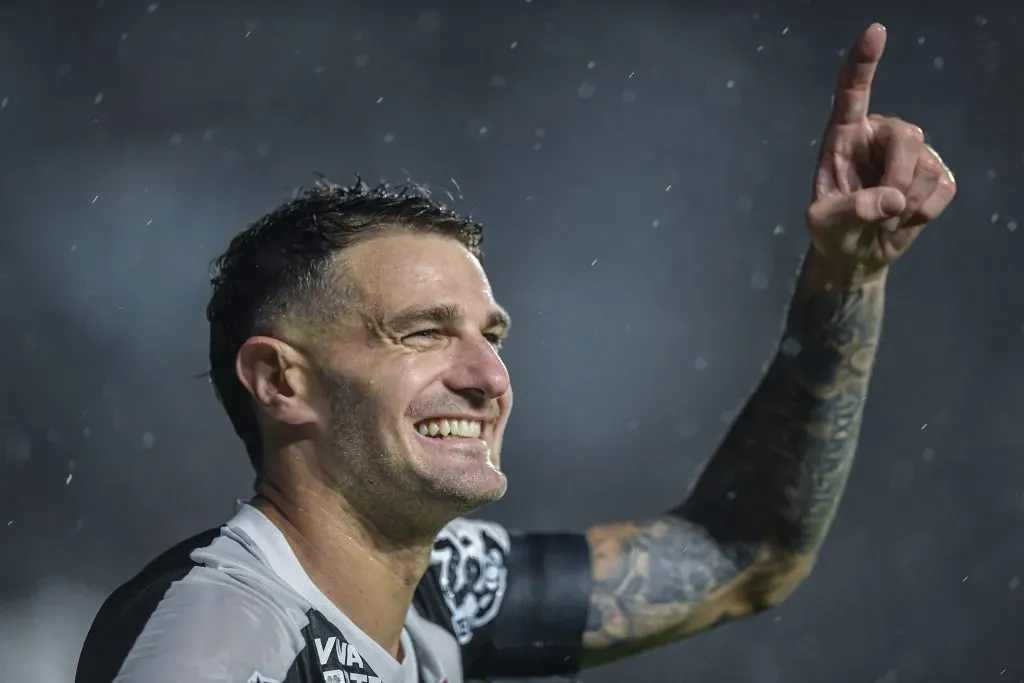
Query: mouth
(450,428)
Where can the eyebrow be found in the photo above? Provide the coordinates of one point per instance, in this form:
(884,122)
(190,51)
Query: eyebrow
(446,314)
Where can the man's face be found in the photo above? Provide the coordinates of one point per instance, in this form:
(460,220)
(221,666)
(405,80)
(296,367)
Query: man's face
(417,396)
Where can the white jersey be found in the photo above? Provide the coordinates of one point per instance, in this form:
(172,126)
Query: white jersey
(234,605)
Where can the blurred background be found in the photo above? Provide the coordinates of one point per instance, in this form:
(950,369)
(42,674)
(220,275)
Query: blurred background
(642,169)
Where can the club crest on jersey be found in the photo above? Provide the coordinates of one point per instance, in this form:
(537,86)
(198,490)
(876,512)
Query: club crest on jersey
(469,556)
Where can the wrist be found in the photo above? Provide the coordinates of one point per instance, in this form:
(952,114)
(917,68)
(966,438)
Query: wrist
(822,274)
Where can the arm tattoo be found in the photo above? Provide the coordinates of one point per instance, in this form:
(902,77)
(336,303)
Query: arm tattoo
(752,525)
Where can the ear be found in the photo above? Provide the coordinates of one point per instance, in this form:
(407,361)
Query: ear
(277,377)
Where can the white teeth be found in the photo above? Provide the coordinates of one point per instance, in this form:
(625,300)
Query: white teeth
(467,429)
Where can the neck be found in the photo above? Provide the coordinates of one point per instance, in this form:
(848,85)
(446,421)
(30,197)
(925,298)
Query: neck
(363,570)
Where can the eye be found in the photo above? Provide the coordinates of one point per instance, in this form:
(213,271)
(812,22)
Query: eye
(425,334)
(494,339)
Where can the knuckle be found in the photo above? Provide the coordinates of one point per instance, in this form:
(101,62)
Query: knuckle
(812,215)
(909,132)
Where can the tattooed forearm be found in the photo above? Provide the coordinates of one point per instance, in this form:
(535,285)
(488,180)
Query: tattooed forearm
(751,527)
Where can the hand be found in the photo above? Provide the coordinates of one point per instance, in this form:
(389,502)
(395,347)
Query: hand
(877,183)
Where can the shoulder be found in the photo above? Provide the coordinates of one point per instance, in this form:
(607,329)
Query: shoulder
(516,603)
(469,562)
(204,611)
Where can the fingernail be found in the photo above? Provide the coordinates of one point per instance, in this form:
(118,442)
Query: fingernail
(891,203)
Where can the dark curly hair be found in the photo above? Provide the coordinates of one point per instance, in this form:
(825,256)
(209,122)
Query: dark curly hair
(281,263)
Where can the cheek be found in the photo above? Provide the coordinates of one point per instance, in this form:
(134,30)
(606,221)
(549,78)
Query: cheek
(401,383)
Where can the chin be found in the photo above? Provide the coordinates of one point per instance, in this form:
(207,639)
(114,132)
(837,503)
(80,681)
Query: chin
(459,471)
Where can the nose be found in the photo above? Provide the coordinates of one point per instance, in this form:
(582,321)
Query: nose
(479,370)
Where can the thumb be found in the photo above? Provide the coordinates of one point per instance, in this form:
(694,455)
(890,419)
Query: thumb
(856,208)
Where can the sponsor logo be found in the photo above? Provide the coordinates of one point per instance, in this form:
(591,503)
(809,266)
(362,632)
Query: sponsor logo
(469,556)
(347,665)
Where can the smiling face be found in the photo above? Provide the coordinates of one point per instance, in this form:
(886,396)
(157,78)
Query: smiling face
(416,395)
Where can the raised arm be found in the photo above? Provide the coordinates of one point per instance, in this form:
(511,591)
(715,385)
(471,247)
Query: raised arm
(751,527)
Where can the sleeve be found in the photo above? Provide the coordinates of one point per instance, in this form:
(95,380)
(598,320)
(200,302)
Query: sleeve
(206,629)
(516,603)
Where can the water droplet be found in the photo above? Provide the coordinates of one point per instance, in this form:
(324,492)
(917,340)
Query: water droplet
(586,90)
(152,7)
(148,440)
(700,364)
(361,60)
(98,98)
(938,62)
(790,347)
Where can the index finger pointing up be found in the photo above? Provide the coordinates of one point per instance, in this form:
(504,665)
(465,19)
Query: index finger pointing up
(853,87)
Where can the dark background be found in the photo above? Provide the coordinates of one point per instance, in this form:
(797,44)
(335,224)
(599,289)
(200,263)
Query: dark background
(642,169)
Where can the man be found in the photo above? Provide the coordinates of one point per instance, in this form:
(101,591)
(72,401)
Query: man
(354,344)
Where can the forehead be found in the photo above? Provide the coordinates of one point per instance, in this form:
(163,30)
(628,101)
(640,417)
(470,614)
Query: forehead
(398,270)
